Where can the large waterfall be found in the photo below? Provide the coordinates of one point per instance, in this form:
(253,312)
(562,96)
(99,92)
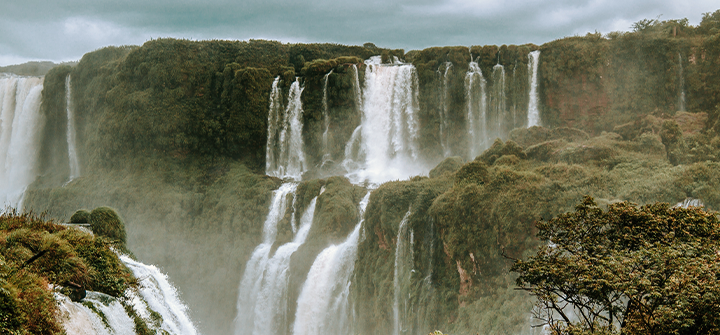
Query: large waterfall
(533,109)
(326,121)
(389,129)
(21,126)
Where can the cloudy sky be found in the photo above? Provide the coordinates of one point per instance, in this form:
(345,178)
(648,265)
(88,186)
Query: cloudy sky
(63,30)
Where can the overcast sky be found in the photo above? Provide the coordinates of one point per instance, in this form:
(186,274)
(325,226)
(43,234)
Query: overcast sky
(63,30)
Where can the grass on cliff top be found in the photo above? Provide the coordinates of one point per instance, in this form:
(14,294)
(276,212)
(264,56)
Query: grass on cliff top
(61,255)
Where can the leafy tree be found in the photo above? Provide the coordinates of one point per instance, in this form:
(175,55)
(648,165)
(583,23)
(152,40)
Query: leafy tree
(652,269)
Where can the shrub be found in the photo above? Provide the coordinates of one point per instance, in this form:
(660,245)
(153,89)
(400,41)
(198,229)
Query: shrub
(105,221)
(80,216)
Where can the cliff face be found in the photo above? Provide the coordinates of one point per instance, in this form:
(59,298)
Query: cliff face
(173,134)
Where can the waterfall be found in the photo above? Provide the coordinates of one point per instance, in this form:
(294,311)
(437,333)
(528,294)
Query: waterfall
(444,110)
(252,278)
(533,111)
(356,87)
(72,151)
(323,306)
(681,99)
(284,153)
(271,304)
(326,121)
(497,104)
(476,99)
(389,128)
(102,314)
(21,126)
(160,296)
(401,276)
(106,317)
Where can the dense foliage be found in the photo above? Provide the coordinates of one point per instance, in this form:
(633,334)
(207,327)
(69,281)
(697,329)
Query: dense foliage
(37,255)
(651,269)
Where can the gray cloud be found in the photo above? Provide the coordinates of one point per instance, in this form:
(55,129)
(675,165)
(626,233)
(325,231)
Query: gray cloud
(65,30)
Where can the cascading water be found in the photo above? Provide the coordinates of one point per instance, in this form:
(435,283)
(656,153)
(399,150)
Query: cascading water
(389,128)
(326,121)
(401,277)
(102,314)
(160,296)
(323,306)
(252,279)
(271,304)
(533,109)
(284,154)
(476,98)
(681,79)
(72,151)
(21,126)
(497,99)
(106,317)
(444,110)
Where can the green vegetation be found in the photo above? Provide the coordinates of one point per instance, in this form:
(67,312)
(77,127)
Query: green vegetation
(632,270)
(80,216)
(35,254)
(105,221)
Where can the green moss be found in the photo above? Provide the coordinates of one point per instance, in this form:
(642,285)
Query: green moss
(105,221)
(80,216)
(448,165)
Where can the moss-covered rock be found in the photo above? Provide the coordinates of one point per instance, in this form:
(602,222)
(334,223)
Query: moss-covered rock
(105,221)
(474,172)
(448,165)
(80,216)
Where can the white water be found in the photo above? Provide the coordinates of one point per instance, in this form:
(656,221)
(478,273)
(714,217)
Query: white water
(533,109)
(444,110)
(284,154)
(323,306)
(389,129)
(252,279)
(326,121)
(72,151)
(78,319)
(161,297)
(21,126)
(272,301)
(401,276)
(476,98)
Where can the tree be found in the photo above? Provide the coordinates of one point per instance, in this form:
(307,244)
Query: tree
(634,270)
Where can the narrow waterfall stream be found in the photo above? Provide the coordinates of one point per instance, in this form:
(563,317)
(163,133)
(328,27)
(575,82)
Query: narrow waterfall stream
(476,98)
(533,109)
(72,150)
